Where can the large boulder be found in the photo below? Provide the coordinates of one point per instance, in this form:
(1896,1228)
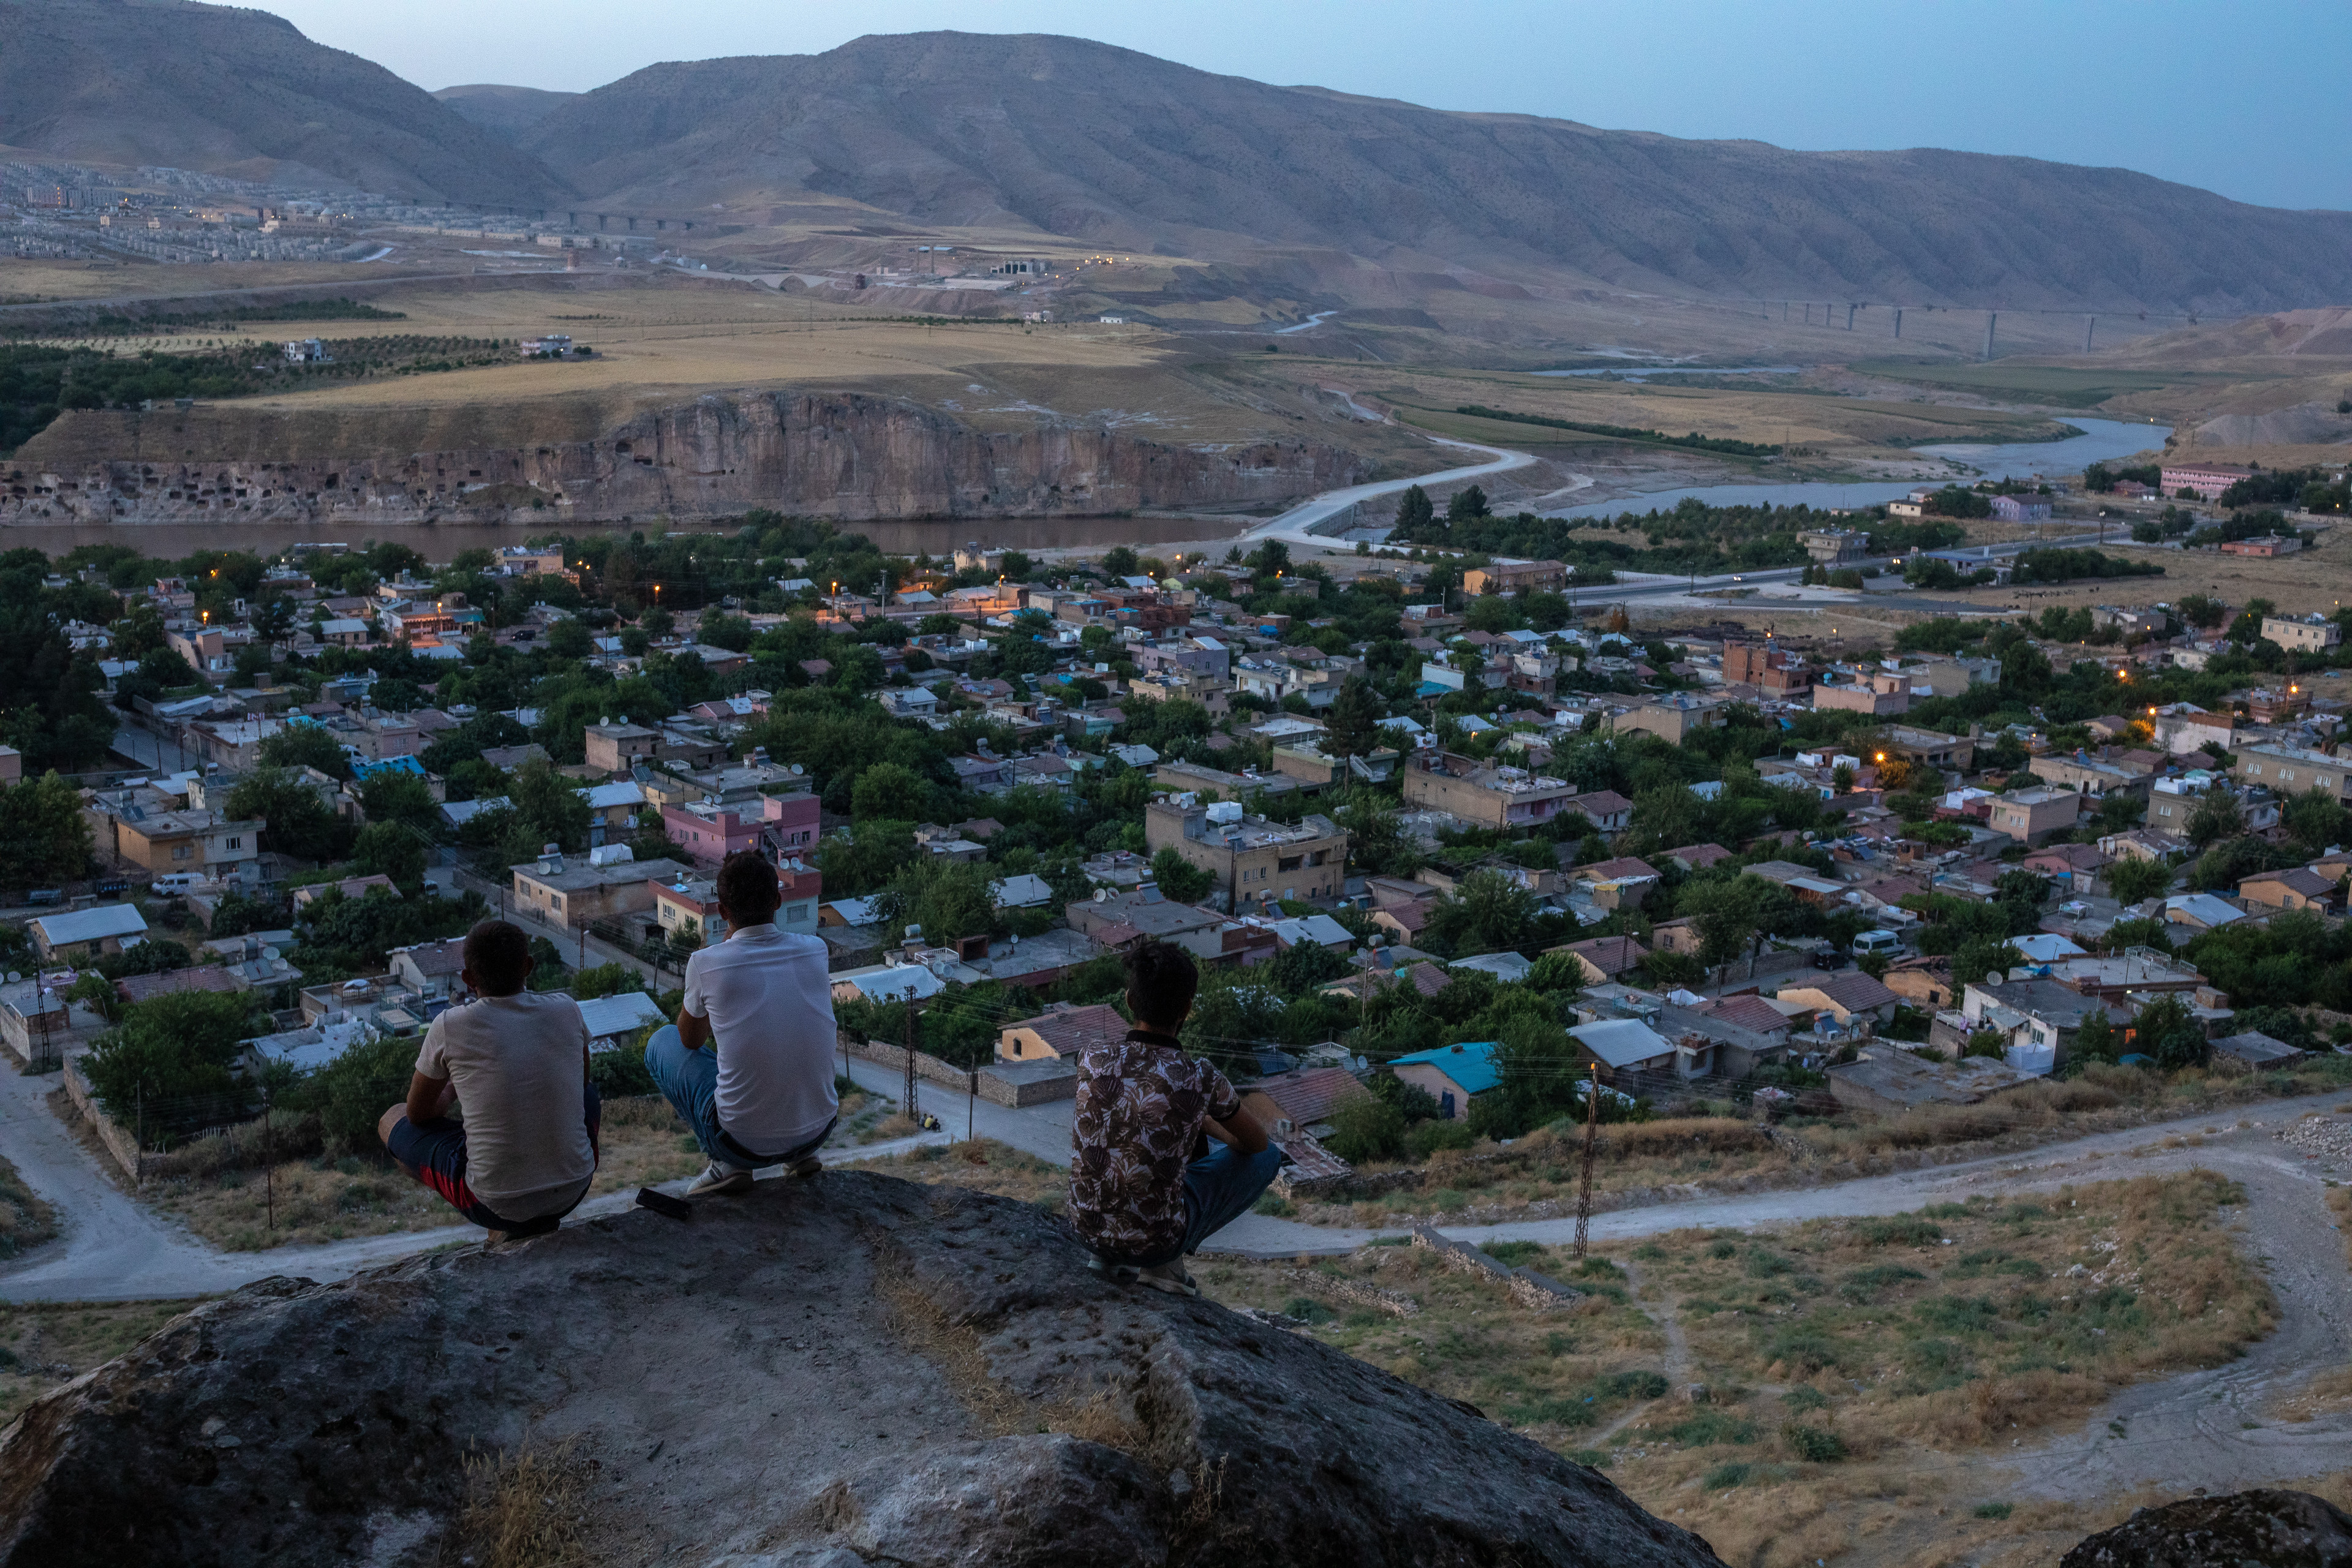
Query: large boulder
(851,1370)
(2273,1528)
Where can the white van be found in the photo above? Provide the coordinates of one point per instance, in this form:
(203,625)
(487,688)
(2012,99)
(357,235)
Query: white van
(1871,942)
(175,883)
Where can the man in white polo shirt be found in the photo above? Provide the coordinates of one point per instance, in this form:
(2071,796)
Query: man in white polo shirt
(749,1063)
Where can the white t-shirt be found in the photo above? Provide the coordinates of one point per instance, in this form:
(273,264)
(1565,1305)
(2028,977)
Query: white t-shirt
(770,1002)
(518,1063)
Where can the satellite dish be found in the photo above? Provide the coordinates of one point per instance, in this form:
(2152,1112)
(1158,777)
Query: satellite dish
(270,954)
(14,977)
(797,770)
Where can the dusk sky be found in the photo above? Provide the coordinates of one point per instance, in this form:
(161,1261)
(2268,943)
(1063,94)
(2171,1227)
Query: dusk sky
(2244,98)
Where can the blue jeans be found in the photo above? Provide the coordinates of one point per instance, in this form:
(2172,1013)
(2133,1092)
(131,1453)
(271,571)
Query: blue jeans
(690,1081)
(1220,1187)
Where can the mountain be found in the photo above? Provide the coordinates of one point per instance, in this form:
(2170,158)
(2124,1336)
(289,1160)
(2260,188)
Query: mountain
(506,112)
(241,93)
(1085,140)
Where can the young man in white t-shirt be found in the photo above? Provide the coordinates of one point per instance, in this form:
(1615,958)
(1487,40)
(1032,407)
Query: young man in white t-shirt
(749,1063)
(517,1062)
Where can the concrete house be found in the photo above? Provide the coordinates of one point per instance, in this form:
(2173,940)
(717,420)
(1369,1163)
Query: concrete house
(2030,815)
(1844,995)
(1251,857)
(1452,1075)
(87,933)
(1064,1031)
(2299,888)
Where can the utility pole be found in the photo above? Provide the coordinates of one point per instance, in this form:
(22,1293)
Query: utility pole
(1591,1142)
(268,1162)
(1898,321)
(1990,318)
(913,1113)
(972,1102)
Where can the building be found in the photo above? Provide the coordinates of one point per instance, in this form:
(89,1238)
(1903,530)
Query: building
(1063,1032)
(1621,1045)
(2310,633)
(2294,769)
(1928,748)
(1766,667)
(2037,1019)
(707,832)
(1835,546)
(2030,815)
(2202,912)
(2184,728)
(2090,776)
(1845,995)
(1674,716)
(1251,857)
(575,893)
(206,843)
(1516,577)
(2297,888)
(1453,1075)
(2263,547)
(614,748)
(1882,693)
(2207,480)
(1887,1081)
(2021,509)
(1604,958)
(87,933)
(1487,794)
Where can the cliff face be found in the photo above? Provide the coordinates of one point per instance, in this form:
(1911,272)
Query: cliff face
(819,1374)
(837,455)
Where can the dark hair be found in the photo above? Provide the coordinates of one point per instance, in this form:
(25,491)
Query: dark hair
(1160,980)
(747,886)
(499,955)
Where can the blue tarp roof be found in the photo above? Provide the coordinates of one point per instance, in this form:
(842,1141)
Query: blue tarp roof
(1471,1065)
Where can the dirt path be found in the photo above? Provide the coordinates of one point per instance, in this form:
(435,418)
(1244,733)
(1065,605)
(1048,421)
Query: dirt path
(1676,1363)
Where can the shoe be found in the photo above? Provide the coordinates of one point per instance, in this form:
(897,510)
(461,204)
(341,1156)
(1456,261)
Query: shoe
(806,1167)
(1171,1278)
(1117,1273)
(720,1178)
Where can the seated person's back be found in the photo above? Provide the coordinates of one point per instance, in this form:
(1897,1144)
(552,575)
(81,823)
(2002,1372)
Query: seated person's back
(515,1062)
(768,999)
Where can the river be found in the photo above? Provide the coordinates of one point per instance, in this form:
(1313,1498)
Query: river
(2102,440)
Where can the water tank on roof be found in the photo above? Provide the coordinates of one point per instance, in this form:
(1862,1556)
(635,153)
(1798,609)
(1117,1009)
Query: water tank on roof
(611,855)
(1225,811)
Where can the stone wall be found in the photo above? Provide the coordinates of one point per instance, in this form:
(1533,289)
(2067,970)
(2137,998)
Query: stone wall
(846,455)
(1012,1093)
(113,1134)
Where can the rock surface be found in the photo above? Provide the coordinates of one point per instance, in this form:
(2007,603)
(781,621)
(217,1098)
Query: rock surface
(856,1369)
(2272,1528)
(835,455)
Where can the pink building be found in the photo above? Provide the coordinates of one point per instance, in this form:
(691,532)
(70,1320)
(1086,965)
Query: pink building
(709,833)
(791,821)
(2208,480)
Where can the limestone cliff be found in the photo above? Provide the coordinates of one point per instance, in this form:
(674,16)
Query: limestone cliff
(850,1371)
(838,455)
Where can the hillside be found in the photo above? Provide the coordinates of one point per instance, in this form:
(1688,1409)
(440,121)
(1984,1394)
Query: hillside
(1081,138)
(505,113)
(241,93)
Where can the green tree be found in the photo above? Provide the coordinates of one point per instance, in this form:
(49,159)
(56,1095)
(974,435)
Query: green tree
(2216,816)
(395,795)
(1413,512)
(951,899)
(568,639)
(306,745)
(2131,879)
(1179,879)
(1353,724)
(890,792)
(44,836)
(166,1068)
(2316,820)
(1487,912)
(2098,1039)
(390,849)
(294,821)
(2168,1031)
(1467,505)
(550,807)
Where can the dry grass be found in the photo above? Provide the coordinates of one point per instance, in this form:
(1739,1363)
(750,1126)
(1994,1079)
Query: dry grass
(325,1198)
(984,1165)
(25,1220)
(2339,1204)
(42,1344)
(1536,1177)
(1868,1338)
(526,1508)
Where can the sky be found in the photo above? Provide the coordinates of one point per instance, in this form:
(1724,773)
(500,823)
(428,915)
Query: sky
(2211,95)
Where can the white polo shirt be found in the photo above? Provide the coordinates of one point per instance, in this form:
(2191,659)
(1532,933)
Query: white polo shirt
(770,1002)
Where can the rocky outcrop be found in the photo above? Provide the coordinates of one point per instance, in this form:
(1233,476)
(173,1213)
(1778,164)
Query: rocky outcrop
(838,455)
(2274,1529)
(855,1370)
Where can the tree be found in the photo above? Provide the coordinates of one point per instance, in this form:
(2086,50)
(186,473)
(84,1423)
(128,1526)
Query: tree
(1487,912)
(2216,816)
(1980,956)
(390,849)
(569,638)
(1353,727)
(395,795)
(1414,511)
(1119,562)
(44,836)
(1467,505)
(306,746)
(2316,820)
(550,808)
(2132,879)
(891,791)
(2168,1031)
(294,821)
(2097,1040)
(951,899)
(167,1067)
(1179,878)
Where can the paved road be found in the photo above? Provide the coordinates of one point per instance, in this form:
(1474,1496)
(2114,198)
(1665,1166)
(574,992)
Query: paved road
(1297,526)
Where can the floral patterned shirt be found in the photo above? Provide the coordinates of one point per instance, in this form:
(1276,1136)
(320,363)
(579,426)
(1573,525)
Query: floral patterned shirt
(1141,1103)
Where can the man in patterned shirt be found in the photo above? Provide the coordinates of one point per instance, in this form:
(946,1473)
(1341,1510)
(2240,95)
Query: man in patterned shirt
(1145,1188)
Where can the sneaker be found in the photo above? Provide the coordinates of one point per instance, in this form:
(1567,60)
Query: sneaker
(720,1178)
(806,1167)
(1171,1278)
(1117,1273)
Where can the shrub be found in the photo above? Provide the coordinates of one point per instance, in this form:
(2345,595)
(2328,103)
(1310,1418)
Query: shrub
(1364,1127)
(1958,1314)
(1813,1444)
(1711,1426)
(1899,1230)
(1801,1349)
(1993,1509)
(1804,1396)
(1427,1138)
(1723,1478)
(1867,1285)
(1306,1310)
(620,1073)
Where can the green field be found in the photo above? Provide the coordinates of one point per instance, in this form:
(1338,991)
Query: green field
(2062,386)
